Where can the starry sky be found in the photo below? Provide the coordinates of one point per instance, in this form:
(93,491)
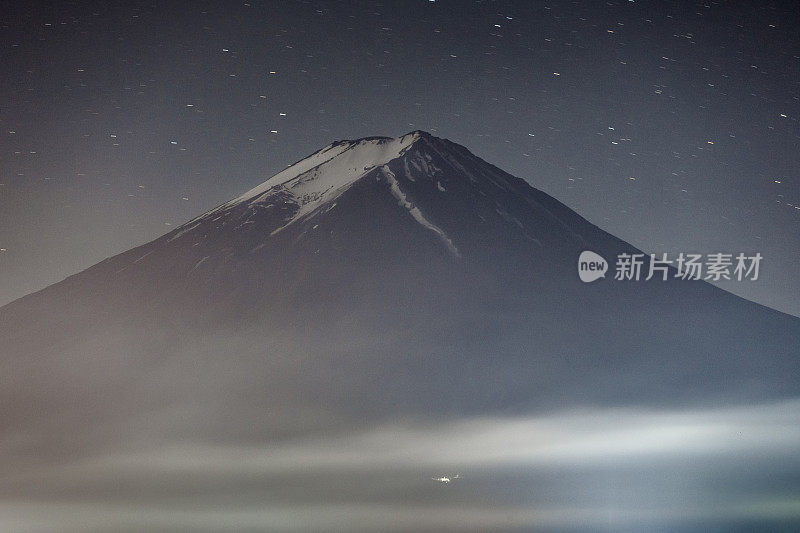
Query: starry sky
(671,124)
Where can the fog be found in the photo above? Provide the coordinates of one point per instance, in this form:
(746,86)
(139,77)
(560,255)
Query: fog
(589,469)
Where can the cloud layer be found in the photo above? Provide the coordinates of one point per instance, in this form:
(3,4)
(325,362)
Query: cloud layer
(593,470)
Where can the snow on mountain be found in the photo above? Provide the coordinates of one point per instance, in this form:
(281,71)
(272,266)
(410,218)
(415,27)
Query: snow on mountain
(433,180)
(402,199)
(313,184)
(321,177)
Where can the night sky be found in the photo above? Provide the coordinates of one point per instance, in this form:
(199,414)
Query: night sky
(673,125)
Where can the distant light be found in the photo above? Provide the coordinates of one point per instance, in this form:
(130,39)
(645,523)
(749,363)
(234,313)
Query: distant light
(556,74)
(173,142)
(778,181)
(710,142)
(273,131)
(783,115)
(282,114)
(189,105)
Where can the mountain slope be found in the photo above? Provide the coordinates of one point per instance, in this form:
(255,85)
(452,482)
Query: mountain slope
(377,278)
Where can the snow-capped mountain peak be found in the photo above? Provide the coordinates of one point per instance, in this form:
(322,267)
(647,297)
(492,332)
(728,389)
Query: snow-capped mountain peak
(325,174)
(429,178)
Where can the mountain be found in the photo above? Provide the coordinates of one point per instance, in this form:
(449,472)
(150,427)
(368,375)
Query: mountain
(374,280)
